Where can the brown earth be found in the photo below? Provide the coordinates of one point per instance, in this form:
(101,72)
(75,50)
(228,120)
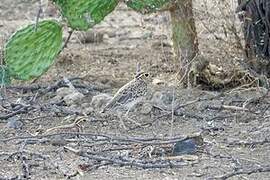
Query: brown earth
(234,124)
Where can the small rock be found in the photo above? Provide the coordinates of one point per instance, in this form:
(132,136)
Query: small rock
(146,108)
(106,36)
(73,98)
(100,100)
(163,97)
(184,147)
(167,98)
(158,45)
(58,141)
(157,96)
(14,123)
(55,99)
(88,110)
(74,108)
(147,35)
(188,146)
(85,105)
(230,140)
(157,82)
(64,91)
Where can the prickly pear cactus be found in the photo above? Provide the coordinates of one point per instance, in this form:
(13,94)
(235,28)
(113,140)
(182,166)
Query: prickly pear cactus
(84,14)
(31,51)
(4,75)
(146,6)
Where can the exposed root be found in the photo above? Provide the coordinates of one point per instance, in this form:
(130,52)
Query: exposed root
(210,76)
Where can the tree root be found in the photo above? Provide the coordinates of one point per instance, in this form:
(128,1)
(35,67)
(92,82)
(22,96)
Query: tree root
(212,77)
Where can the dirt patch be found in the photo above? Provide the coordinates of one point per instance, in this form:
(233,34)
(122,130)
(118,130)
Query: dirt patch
(234,124)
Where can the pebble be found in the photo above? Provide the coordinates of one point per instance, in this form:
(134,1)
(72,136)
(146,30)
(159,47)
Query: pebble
(146,108)
(73,98)
(14,123)
(100,100)
(187,146)
(165,98)
(64,91)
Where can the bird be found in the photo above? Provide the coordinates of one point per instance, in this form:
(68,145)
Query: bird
(131,93)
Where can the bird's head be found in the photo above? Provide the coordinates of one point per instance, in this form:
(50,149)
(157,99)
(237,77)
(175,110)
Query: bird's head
(145,76)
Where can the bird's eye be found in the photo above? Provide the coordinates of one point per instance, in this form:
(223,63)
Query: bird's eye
(146,75)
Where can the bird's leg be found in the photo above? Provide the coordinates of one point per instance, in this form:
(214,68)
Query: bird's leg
(131,105)
(122,123)
(126,114)
(127,119)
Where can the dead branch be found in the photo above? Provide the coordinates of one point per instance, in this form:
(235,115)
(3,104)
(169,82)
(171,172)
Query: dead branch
(249,143)
(121,161)
(178,106)
(56,107)
(102,137)
(10,178)
(43,89)
(36,87)
(150,123)
(67,40)
(38,14)
(244,172)
(226,107)
(22,110)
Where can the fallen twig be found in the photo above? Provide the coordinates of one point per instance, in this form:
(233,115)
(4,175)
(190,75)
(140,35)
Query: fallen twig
(225,107)
(43,89)
(250,143)
(102,137)
(244,172)
(24,109)
(121,161)
(67,40)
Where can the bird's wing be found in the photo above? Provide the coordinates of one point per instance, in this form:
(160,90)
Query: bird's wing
(121,97)
(124,98)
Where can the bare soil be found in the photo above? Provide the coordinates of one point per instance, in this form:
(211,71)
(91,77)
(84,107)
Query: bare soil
(234,124)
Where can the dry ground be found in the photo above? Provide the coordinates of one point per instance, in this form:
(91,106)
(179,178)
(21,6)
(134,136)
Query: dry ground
(235,139)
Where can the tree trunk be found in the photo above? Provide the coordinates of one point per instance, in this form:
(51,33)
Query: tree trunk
(255,15)
(184,36)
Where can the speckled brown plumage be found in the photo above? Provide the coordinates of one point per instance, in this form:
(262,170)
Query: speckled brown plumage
(130,92)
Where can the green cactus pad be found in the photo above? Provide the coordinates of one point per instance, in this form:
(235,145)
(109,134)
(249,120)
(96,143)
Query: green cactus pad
(4,75)
(146,6)
(30,52)
(84,14)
